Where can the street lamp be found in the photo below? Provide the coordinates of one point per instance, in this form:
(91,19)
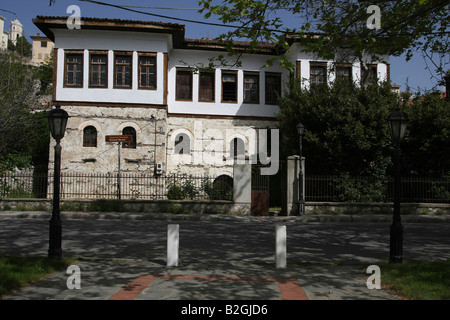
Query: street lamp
(398,121)
(57,120)
(301,200)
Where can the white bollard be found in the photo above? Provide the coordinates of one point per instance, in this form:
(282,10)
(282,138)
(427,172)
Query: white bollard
(280,246)
(173,240)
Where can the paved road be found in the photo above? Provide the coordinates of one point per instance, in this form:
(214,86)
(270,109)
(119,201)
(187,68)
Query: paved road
(328,259)
(202,241)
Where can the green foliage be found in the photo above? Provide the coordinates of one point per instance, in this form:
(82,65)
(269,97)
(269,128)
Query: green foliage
(16,272)
(24,135)
(421,280)
(45,75)
(406,26)
(347,134)
(177,191)
(218,191)
(346,131)
(427,142)
(351,189)
(22,47)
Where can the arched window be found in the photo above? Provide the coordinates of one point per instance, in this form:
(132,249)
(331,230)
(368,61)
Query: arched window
(90,137)
(129,131)
(222,188)
(237,148)
(182,144)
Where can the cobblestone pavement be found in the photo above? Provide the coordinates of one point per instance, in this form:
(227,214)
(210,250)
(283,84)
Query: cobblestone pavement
(224,258)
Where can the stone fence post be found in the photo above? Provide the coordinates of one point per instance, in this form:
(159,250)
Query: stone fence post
(292,185)
(242,188)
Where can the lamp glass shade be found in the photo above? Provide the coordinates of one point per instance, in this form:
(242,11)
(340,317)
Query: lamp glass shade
(300,129)
(398,121)
(57,120)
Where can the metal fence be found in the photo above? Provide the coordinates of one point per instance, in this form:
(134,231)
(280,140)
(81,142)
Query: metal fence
(180,187)
(106,186)
(368,189)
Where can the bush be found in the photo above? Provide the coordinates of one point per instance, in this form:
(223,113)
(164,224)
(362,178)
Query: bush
(217,191)
(175,192)
(187,189)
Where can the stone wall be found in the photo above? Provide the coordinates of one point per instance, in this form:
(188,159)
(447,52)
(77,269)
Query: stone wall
(219,207)
(210,143)
(150,125)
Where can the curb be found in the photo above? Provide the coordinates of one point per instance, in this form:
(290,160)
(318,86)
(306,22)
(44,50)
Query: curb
(221,217)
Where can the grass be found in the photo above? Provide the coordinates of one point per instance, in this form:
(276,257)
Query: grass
(424,280)
(17,272)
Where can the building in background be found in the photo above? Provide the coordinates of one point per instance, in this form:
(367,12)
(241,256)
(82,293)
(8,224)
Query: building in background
(3,35)
(42,49)
(15,30)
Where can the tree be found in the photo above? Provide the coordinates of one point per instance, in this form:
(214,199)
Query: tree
(22,47)
(328,27)
(20,129)
(346,129)
(44,73)
(427,142)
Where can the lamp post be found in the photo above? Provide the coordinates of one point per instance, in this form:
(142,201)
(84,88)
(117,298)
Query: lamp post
(301,200)
(57,119)
(398,121)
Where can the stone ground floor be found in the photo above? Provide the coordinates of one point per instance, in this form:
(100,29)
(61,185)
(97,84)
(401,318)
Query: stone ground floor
(162,143)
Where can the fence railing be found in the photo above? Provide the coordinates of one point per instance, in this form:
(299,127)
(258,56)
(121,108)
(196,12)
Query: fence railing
(366,189)
(179,187)
(106,186)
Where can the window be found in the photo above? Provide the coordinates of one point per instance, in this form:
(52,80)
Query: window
(43,44)
(74,69)
(229,87)
(318,74)
(98,70)
(182,144)
(370,75)
(344,73)
(147,71)
(251,88)
(129,131)
(206,90)
(223,183)
(123,70)
(184,85)
(90,137)
(237,148)
(273,87)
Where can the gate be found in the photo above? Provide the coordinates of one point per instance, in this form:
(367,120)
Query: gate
(260,192)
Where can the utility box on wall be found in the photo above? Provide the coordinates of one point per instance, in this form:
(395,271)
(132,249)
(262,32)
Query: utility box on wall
(159,168)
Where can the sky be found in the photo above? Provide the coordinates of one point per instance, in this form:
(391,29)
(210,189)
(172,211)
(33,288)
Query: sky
(413,72)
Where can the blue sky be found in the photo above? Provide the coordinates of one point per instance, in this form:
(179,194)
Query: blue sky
(414,71)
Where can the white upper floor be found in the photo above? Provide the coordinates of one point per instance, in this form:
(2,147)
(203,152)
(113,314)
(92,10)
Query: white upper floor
(110,61)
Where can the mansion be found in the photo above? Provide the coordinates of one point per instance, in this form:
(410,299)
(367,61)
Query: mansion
(145,79)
